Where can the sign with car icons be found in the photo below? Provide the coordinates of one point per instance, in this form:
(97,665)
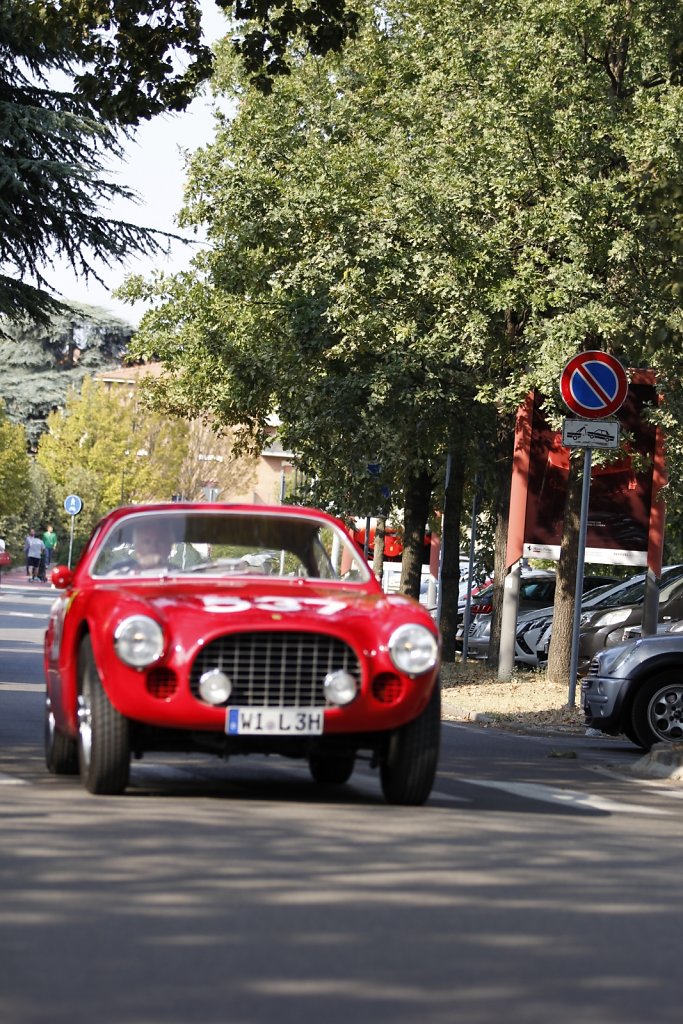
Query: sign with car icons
(588,434)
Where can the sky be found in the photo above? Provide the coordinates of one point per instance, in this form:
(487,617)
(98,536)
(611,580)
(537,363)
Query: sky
(155,169)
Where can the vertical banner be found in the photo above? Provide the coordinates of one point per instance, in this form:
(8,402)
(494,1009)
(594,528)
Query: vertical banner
(626,513)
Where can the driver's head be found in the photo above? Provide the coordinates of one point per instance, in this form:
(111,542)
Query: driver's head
(152,543)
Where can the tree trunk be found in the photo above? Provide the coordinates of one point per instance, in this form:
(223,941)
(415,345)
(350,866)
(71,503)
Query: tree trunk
(415,515)
(450,554)
(378,550)
(559,655)
(505,434)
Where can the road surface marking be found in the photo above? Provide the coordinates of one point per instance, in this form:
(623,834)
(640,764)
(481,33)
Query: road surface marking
(570,798)
(10,780)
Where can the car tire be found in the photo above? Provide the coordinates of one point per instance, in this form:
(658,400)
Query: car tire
(103,733)
(331,770)
(408,769)
(631,734)
(657,714)
(61,752)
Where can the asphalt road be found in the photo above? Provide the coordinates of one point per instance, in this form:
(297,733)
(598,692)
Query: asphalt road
(541,883)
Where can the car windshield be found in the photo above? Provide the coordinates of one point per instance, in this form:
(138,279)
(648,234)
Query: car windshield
(227,544)
(633,591)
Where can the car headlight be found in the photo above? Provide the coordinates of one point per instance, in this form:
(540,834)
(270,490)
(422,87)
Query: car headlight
(413,649)
(609,662)
(613,618)
(139,641)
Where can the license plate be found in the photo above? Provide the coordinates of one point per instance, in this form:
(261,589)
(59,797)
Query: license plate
(274,721)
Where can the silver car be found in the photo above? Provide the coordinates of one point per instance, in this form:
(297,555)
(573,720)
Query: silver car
(636,688)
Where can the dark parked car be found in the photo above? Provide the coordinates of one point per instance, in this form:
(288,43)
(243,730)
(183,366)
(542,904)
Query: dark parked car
(636,688)
(536,592)
(603,625)
(534,628)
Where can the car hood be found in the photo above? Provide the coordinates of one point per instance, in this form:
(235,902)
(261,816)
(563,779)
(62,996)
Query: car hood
(301,603)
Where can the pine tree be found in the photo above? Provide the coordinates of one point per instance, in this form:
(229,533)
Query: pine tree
(75,77)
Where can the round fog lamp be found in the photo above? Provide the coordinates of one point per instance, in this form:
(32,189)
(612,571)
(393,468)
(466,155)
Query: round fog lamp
(340,687)
(413,649)
(215,687)
(139,641)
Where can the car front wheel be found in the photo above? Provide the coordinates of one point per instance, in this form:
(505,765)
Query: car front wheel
(657,715)
(409,767)
(103,733)
(61,752)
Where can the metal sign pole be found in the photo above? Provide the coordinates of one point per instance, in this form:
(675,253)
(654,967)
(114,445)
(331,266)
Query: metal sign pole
(71,540)
(580,563)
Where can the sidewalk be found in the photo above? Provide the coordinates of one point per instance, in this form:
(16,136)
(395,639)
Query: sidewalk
(16,579)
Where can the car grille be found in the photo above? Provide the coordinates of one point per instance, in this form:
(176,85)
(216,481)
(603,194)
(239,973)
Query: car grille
(275,669)
(593,667)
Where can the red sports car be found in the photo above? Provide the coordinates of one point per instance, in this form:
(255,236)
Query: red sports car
(237,629)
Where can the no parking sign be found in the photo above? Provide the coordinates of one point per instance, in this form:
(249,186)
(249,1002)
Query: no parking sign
(594,385)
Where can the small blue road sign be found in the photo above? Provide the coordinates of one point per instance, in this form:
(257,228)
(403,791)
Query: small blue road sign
(73,505)
(594,385)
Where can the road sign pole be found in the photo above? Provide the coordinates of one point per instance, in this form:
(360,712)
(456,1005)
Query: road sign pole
(71,540)
(72,506)
(580,563)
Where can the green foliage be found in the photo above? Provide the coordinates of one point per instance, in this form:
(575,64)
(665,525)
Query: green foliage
(14,466)
(110,451)
(263,45)
(15,485)
(73,75)
(434,220)
(41,362)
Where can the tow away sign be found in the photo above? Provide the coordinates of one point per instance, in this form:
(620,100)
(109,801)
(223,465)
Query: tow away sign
(589,434)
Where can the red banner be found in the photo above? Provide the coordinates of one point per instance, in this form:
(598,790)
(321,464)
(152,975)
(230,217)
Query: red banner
(625,516)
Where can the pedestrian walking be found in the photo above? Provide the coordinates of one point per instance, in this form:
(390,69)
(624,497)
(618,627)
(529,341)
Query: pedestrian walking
(5,559)
(34,552)
(27,539)
(50,542)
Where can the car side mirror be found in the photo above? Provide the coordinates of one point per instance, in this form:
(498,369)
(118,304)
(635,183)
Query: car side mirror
(61,577)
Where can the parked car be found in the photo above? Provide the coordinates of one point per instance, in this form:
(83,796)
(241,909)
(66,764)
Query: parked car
(236,630)
(536,594)
(534,628)
(636,688)
(603,625)
(631,589)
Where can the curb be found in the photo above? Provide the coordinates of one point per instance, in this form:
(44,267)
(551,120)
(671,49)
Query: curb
(664,761)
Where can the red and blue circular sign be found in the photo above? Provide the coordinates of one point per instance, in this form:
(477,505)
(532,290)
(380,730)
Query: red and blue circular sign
(594,384)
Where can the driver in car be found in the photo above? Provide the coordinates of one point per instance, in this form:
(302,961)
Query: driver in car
(152,543)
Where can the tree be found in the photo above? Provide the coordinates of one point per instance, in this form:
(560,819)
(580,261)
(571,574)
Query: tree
(264,44)
(78,75)
(72,76)
(110,451)
(211,462)
(331,292)
(15,484)
(14,466)
(447,211)
(41,362)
